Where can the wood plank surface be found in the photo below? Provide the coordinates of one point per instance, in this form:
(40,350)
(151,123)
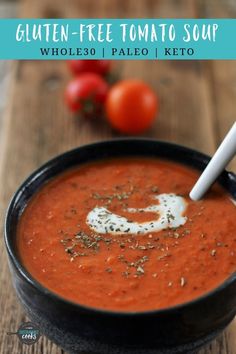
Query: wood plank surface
(197,101)
(7,10)
(223,75)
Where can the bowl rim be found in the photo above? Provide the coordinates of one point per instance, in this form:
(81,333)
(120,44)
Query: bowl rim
(15,259)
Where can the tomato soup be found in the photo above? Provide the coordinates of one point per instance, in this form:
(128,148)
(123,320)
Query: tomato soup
(123,235)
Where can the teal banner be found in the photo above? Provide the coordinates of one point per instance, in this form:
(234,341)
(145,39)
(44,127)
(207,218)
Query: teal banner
(118,39)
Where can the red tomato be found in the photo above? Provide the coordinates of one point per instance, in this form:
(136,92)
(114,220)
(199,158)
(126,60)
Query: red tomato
(101,67)
(131,106)
(86,94)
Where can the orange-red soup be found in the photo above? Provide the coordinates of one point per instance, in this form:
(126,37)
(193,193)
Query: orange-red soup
(127,272)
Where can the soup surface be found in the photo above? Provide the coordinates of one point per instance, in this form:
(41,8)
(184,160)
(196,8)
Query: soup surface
(123,235)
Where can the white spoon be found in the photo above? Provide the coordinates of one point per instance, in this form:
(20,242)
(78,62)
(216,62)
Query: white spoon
(219,161)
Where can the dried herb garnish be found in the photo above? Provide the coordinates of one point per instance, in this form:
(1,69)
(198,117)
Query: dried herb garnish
(108,270)
(213,253)
(183,281)
(140,270)
(164,256)
(154,189)
(170,217)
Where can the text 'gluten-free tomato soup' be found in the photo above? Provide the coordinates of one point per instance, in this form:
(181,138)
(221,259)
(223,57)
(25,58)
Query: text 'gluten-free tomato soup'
(123,235)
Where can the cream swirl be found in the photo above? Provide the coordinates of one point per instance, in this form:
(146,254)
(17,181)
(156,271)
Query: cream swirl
(170,210)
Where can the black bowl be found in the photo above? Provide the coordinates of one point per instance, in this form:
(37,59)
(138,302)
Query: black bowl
(80,329)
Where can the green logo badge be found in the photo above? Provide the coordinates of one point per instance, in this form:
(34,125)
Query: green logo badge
(28,333)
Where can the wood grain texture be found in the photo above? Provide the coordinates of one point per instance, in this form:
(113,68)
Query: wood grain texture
(222,74)
(197,101)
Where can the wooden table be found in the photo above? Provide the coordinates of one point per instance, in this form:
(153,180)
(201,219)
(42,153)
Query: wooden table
(197,100)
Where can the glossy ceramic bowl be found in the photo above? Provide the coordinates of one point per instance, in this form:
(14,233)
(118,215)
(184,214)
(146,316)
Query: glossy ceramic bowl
(80,329)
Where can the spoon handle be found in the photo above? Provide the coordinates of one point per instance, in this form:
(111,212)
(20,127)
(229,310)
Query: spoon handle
(219,161)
